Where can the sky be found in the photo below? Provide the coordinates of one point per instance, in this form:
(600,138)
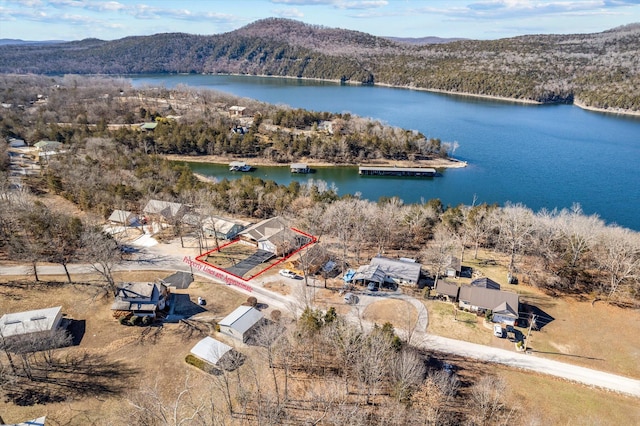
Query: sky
(476,19)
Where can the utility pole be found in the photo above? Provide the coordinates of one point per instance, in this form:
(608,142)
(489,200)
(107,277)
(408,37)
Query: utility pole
(531,321)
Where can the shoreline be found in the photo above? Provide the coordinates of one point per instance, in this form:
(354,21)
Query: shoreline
(617,111)
(438,163)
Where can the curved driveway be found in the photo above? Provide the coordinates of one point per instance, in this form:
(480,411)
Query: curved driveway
(420,338)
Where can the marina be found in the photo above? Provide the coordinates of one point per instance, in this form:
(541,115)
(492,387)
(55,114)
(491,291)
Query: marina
(397,171)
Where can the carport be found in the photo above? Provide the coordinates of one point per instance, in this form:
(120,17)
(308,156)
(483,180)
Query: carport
(244,266)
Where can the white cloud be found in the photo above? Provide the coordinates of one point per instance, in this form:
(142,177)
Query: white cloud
(291,13)
(339,4)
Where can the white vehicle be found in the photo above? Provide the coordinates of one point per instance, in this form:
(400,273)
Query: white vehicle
(497,330)
(351,299)
(287,273)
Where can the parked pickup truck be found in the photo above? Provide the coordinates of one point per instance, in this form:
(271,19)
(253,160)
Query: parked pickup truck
(511,333)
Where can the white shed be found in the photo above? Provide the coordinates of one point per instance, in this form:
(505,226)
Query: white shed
(241,322)
(39,321)
(210,350)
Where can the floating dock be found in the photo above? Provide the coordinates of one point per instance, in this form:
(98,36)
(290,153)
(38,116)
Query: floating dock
(397,171)
(300,168)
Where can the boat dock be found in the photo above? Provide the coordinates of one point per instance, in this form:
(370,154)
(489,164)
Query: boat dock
(396,171)
(239,166)
(300,168)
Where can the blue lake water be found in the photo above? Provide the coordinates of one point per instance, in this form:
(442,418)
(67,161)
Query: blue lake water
(543,156)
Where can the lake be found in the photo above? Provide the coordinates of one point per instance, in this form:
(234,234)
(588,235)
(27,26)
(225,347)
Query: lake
(543,156)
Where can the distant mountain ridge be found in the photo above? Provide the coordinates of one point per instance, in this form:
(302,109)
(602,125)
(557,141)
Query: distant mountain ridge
(12,41)
(600,70)
(424,40)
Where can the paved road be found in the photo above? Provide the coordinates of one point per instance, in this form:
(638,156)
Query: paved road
(155,260)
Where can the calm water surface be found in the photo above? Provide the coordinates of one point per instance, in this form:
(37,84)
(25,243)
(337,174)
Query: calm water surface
(544,156)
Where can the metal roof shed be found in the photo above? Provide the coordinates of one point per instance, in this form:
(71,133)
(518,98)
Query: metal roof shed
(31,322)
(240,322)
(210,350)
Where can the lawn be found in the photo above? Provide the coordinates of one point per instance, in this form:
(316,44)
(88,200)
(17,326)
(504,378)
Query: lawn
(599,335)
(548,400)
(119,360)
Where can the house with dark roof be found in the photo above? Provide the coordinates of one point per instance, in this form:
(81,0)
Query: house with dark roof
(447,290)
(486,295)
(241,322)
(141,298)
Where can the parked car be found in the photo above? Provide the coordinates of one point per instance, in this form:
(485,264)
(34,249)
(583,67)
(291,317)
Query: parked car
(511,333)
(287,273)
(497,330)
(351,298)
(372,287)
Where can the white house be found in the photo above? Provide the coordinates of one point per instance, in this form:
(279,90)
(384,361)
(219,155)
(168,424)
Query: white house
(39,321)
(241,322)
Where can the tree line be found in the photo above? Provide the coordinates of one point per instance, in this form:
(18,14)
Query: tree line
(105,169)
(599,70)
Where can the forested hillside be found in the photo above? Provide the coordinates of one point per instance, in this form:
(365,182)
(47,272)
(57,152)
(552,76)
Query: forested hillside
(600,70)
(108,163)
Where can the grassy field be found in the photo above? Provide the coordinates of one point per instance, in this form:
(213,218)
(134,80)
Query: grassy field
(599,335)
(548,400)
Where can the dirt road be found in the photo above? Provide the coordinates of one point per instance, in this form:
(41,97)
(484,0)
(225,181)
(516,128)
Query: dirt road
(169,257)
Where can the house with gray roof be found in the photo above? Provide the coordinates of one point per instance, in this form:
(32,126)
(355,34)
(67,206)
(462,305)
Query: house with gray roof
(241,322)
(123,217)
(141,298)
(165,210)
(399,271)
(505,305)
(222,228)
(274,235)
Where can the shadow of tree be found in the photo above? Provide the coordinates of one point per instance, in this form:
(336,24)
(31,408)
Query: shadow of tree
(71,376)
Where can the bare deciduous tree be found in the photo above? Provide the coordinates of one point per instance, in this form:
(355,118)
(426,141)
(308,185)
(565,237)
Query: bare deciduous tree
(515,226)
(437,254)
(618,254)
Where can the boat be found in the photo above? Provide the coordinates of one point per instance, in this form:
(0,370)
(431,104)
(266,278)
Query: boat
(239,166)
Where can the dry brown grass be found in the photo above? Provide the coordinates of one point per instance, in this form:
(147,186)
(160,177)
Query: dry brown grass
(159,359)
(400,313)
(599,336)
(555,401)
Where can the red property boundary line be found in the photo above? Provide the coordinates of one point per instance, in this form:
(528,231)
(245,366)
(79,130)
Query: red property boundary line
(233,279)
